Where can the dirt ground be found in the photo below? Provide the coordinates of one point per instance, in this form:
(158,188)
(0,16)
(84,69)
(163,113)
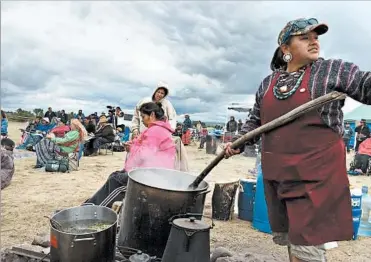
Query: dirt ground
(34,194)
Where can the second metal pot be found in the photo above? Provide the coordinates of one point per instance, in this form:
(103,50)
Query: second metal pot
(98,246)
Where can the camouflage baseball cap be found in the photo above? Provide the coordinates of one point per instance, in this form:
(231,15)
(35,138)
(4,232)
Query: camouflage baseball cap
(301,26)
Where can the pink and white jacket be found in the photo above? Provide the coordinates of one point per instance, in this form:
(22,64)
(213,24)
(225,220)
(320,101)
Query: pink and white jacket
(154,147)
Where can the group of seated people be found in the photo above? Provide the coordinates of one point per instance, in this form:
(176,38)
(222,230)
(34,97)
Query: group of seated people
(56,145)
(155,146)
(50,138)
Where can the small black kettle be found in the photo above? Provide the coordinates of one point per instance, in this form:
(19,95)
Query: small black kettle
(189,240)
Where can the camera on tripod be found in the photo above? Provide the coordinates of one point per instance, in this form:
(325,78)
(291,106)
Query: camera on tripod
(111,109)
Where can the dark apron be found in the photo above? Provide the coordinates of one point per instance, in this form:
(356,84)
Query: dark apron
(305,179)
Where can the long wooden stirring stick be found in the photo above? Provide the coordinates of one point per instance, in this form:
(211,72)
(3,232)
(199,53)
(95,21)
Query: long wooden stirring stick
(290,116)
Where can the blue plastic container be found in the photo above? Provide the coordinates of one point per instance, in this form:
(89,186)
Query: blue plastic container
(260,216)
(356,214)
(356,202)
(246,198)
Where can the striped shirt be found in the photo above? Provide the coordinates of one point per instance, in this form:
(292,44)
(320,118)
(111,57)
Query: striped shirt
(326,76)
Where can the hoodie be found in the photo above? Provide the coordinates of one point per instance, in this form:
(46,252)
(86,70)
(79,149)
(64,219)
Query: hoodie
(170,113)
(154,147)
(365,147)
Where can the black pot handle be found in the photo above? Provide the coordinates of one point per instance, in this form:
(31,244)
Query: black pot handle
(203,193)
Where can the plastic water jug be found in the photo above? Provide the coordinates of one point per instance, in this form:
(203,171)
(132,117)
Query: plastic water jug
(366,207)
(365,227)
(356,195)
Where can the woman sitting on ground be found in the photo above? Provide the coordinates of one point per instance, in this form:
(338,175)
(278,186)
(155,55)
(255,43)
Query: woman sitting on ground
(52,147)
(103,135)
(7,162)
(154,147)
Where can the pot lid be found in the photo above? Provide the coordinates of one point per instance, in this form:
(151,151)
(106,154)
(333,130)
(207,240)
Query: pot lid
(191,223)
(139,257)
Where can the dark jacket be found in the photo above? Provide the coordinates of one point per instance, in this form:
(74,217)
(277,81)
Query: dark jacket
(90,127)
(187,124)
(239,126)
(106,132)
(348,132)
(364,131)
(232,126)
(50,115)
(64,118)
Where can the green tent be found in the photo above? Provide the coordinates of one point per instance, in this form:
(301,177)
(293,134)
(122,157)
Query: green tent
(361,112)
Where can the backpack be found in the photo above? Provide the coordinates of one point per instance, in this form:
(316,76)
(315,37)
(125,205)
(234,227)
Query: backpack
(56,165)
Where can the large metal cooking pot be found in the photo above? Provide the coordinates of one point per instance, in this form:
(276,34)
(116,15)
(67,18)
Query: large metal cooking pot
(84,244)
(153,196)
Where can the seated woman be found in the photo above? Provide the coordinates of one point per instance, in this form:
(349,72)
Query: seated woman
(154,147)
(362,159)
(103,135)
(45,126)
(7,162)
(34,132)
(52,147)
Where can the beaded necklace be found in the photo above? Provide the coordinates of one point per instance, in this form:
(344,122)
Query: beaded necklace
(288,83)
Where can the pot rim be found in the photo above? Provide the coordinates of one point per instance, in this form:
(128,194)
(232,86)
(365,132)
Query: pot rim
(197,190)
(83,234)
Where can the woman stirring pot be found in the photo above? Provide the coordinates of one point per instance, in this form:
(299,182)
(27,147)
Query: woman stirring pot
(304,167)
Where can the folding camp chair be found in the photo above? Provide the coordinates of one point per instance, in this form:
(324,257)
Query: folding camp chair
(107,146)
(73,158)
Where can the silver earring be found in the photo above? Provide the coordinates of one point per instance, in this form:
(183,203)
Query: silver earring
(287,57)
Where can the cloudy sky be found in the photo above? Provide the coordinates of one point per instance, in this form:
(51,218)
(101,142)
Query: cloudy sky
(87,55)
